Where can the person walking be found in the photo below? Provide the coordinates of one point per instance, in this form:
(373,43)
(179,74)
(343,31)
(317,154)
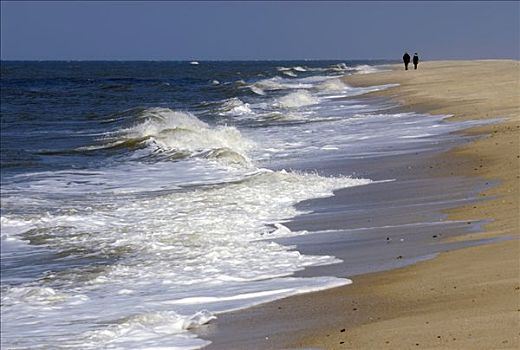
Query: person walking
(415,60)
(406,60)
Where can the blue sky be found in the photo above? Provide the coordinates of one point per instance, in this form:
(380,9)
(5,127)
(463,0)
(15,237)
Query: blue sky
(258,30)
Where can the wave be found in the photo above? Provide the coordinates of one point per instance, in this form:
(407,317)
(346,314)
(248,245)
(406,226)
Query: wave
(38,296)
(344,68)
(278,83)
(290,74)
(296,99)
(296,68)
(227,156)
(280,117)
(180,134)
(291,71)
(312,80)
(365,69)
(340,67)
(234,106)
(332,85)
(187,251)
(257,90)
(151,327)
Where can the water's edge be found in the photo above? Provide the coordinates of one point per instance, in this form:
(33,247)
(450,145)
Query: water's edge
(402,223)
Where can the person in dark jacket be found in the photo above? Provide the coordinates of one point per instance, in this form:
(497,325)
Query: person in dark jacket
(406,60)
(415,60)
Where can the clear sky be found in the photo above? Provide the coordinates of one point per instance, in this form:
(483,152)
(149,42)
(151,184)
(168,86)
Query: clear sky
(123,30)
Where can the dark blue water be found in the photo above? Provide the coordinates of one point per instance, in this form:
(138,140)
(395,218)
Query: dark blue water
(51,108)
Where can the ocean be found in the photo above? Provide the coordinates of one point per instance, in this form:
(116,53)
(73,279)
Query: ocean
(141,199)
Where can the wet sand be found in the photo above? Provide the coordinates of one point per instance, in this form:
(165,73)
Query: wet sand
(464,198)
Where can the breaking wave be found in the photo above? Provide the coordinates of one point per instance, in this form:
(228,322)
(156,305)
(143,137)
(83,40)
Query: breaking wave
(181,134)
(147,327)
(340,67)
(297,99)
(278,83)
(332,85)
(290,74)
(257,90)
(234,106)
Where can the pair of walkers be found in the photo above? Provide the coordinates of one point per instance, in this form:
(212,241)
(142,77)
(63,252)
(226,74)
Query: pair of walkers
(406,60)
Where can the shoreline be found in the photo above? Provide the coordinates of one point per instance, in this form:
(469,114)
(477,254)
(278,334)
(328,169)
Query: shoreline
(479,157)
(473,304)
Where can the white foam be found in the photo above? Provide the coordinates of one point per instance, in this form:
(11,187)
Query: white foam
(366,69)
(312,80)
(38,296)
(329,148)
(234,106)
(287,69)
(11,227)
(366,90)
(278,83)
(332,85)
(296,99)
(290,74)
(257,90)
(415,136)
(340,67)
(145,329)
(203,245)
(357,135)
(168,130)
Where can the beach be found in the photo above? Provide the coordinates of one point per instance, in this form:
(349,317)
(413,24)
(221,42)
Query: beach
(454,298)
(259,205)
(260,175)
(179,198)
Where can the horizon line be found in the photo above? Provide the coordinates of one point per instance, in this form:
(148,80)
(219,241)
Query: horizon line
(198,60)
(252,60)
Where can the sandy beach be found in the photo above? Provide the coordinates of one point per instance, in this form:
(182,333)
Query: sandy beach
(462,299)
(260,175)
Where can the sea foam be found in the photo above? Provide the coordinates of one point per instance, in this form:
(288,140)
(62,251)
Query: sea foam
(163,129)
(297,99)
(175,256)
(332,85)
(234,106)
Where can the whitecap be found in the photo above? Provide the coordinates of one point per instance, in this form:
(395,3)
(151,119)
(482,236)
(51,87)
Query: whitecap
(290,74)
(332,85)
(234,106)
(182,132)
(296,99)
